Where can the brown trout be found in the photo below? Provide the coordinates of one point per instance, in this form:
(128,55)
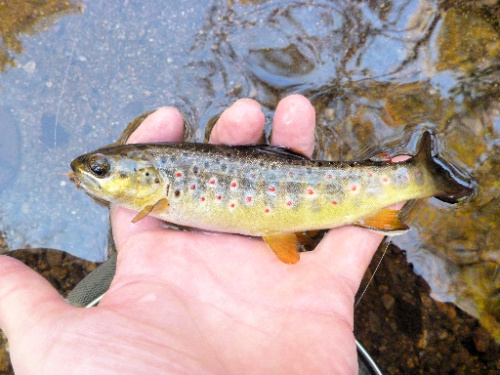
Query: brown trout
(263,191)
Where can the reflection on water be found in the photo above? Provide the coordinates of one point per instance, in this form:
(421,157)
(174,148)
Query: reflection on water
(378,72)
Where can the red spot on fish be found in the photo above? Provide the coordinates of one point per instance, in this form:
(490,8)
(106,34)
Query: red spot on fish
(232,205)
(271,188)
(219,197)
(252,175)
(385,179)
(266,210)
(369,174)
(329,176)
(249,199)
(202,199)
(193,187)
(178,174)
(289,203)
(354,187)
(334,203)
(234,184)
(291,174)
(405,178)
(310,191)
(212,182)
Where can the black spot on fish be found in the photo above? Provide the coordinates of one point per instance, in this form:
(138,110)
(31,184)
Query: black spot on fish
(173,158)
(229,154)
(177,193)
(223,167)
(157,180)
(195,170)
(308,170)
(123,175)
(261,163)
(146,174)
(207,164)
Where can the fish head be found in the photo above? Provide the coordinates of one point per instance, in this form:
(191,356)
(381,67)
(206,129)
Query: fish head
(124,179)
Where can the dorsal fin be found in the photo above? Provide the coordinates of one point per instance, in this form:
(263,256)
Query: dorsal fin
(279,151)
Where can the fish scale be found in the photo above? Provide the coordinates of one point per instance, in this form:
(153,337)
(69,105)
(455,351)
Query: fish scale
(263,190)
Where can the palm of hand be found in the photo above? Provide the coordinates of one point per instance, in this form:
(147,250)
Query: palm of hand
(199,302)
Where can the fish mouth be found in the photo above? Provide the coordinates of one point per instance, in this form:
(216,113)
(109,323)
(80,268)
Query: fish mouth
(72,177)
(80,178)
(83,181)
(88,185)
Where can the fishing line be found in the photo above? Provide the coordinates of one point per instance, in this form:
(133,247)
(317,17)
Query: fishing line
(66,73)
(385,244)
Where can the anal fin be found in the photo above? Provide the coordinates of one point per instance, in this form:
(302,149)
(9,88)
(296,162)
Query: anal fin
(156,208)
(386,221)
(285,246)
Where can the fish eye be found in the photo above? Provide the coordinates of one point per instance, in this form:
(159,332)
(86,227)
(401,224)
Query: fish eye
(99,165)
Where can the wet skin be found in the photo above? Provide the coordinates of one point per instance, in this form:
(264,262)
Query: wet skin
(199,302)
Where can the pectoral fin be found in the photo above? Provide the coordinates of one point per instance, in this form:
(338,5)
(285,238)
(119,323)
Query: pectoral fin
(142,214)
(285,246)
(156,208)
(386,221)
(160,206)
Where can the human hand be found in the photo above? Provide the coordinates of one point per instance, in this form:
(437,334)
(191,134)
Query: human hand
(196,302)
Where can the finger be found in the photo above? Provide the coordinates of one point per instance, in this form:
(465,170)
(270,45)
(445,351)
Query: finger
(164,125)
(350,249)
(242,123)
(294,123)
(25,297)
(123,228)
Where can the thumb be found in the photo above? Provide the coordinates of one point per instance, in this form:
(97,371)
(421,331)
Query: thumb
(25,297)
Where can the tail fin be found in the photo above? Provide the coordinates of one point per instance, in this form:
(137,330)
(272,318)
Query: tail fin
(453,184)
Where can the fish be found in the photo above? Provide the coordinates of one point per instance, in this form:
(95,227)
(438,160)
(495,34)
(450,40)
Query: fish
(264,191)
